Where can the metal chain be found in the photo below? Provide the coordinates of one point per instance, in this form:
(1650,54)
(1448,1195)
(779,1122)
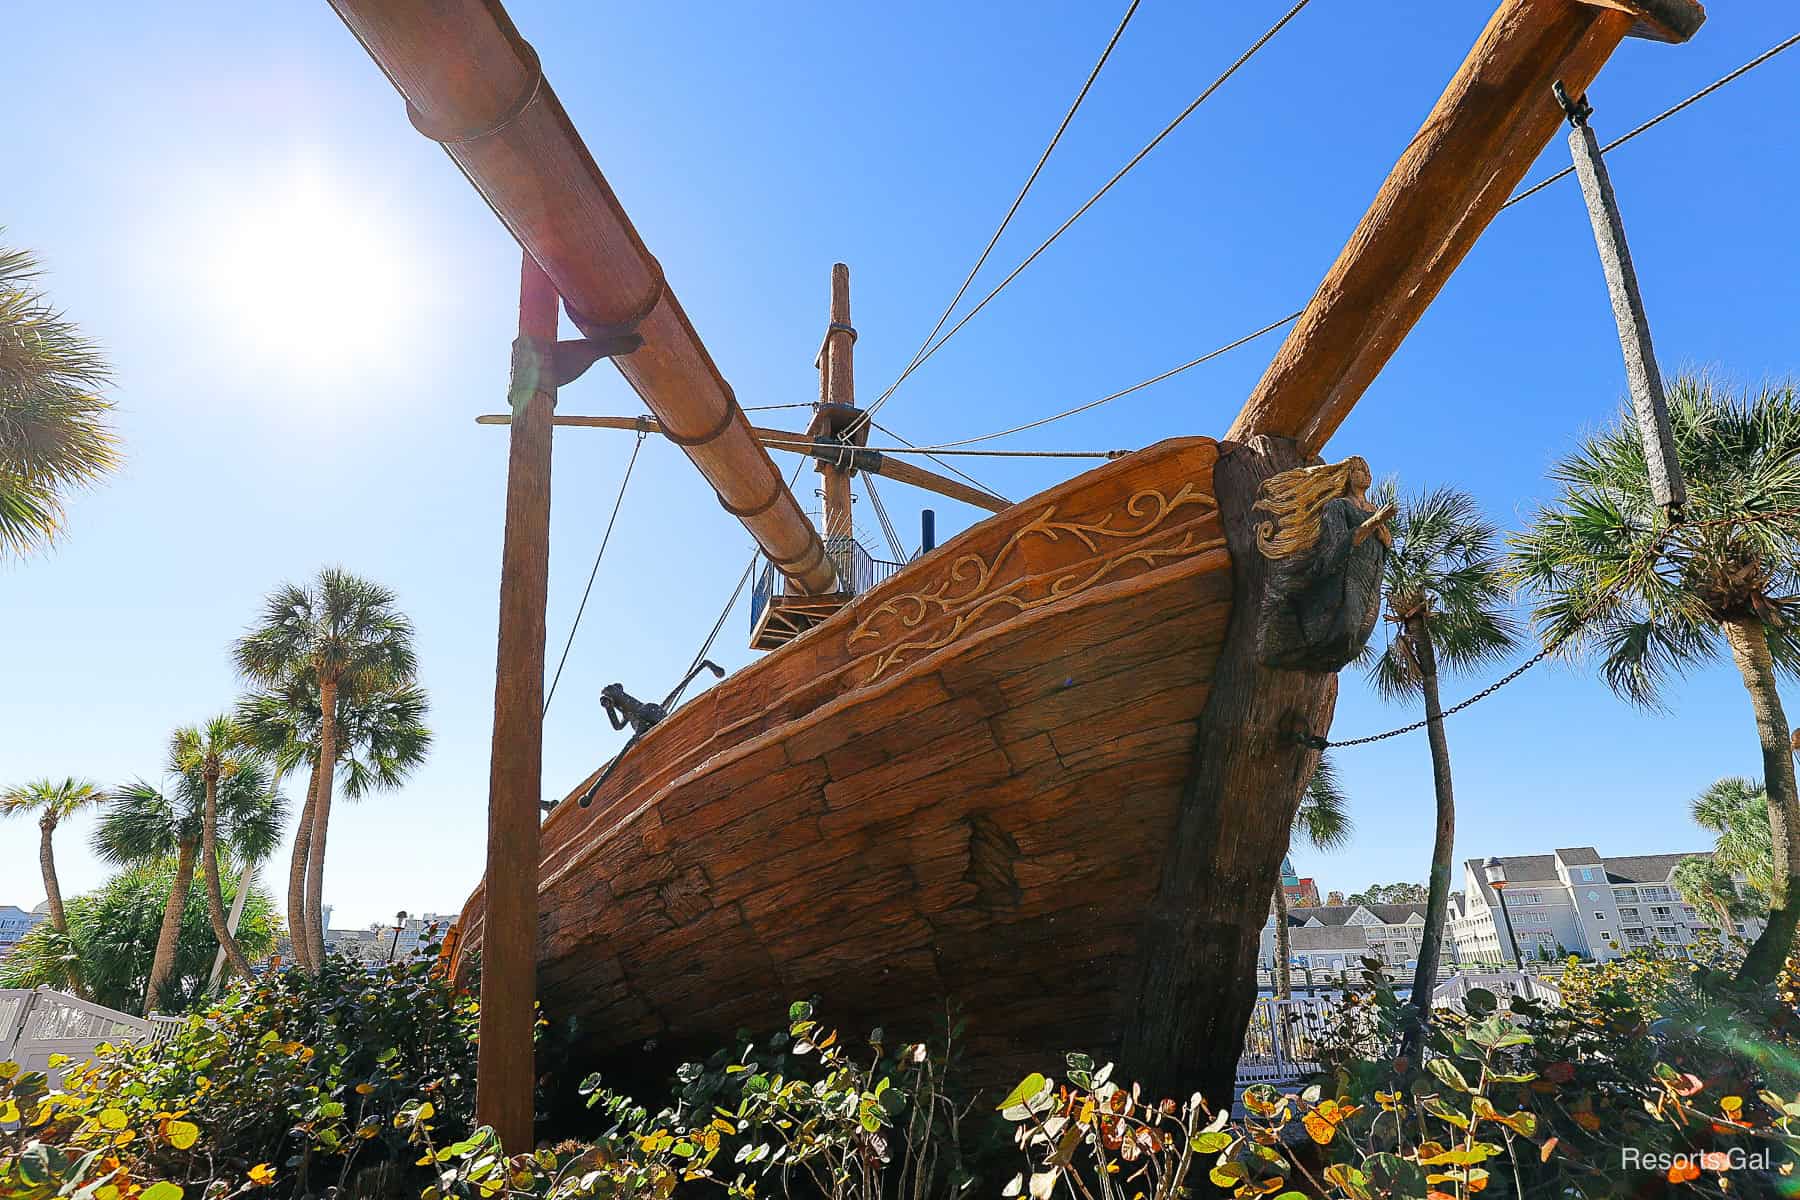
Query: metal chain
(1654,550)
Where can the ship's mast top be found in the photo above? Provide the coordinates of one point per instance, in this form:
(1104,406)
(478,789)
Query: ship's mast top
(836,410)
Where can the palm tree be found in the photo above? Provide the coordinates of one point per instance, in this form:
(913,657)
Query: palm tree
(1446,598)
(1736,812)
(1702,882)
(215,752)
(1613,580)
(52,800)
(144,823)
(382,738)
(343,636)
(115,928)
(54,434)
(1323,819)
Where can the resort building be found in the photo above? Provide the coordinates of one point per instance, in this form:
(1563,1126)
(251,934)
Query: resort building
(1338,937)
(16,922)
(1301,892)
(1573,901)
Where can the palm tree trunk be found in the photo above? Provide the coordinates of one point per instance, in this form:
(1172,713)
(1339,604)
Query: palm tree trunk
(1750,648)
(59,918)
(169,936)
(1437,898)
(1284,974)
(209,867)
(315,865)
(246,881)
(296,889)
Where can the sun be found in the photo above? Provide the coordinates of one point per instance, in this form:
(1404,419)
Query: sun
(311,276)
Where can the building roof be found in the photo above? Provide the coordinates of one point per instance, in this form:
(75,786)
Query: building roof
(1328,937)
(1532,870)
(1647,868)
(1579,856)
(1332,915)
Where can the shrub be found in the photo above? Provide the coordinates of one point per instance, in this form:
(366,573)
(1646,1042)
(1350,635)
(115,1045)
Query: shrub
(292,1076)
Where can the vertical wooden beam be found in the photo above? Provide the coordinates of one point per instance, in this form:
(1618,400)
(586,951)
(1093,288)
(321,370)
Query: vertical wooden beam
(506,1075)
(1641,372)
(839,374)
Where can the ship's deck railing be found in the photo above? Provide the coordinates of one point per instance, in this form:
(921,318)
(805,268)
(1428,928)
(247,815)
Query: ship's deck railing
(857,572)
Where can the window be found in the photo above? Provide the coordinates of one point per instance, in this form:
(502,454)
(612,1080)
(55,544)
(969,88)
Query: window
(1599,916)
(1629,915)
(1662,913)
(1625,895)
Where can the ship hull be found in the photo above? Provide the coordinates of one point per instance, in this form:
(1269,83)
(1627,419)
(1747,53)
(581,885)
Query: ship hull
(956,791)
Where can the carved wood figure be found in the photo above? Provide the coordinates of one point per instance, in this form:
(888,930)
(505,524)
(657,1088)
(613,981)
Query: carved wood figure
(1326,545)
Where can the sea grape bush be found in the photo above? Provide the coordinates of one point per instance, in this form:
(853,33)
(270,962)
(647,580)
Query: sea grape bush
(1653,1077)
(292,1082)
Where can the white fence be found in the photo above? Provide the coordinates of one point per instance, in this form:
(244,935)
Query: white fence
(1283,1040)
(37,1023)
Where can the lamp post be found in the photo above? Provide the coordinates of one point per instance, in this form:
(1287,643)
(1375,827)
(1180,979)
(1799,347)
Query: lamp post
(399,923)
(1495,871)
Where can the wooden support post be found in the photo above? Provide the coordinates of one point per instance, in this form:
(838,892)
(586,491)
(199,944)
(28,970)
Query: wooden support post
(837,366)
(506,1075)
(1641,372)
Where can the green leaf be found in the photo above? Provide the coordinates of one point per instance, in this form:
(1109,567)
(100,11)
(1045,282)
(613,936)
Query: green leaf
(1448,1074)
(162,1191)
(1480,1002)
(1210,1143)
(1028,1089)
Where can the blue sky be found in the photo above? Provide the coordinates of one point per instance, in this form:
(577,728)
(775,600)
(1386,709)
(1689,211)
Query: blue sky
(307,306)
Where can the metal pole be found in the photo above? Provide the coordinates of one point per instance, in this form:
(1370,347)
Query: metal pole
(505,1072)
(927,531)
(1647,398)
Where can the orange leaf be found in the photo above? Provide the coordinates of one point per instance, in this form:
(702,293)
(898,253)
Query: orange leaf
(1683,1171)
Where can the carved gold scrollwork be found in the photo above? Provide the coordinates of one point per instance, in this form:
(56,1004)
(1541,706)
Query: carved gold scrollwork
(971,579)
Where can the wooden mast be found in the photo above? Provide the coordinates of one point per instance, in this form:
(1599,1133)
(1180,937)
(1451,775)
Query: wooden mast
(475,86)
(505,1072)
(837,409)
(1493,119)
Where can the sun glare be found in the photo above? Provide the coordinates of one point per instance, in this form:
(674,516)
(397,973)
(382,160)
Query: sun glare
(310,280)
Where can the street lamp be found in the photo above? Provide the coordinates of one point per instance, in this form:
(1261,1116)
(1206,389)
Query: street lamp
(399,922)
(1495,871)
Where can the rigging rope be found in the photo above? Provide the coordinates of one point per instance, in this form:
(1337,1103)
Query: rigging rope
(586,591)
(919,355)
(807,447)
(1092,200)
(1596,602)
(940,462)
(881,514)
(1533,190)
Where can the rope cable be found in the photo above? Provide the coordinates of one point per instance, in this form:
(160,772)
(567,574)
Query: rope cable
(1137,158)
(588,590)
(920,354)
(940,462)
(1533,190)
(881,514)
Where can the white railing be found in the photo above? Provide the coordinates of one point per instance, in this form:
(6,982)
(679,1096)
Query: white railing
(37,1023)
(1284,1037)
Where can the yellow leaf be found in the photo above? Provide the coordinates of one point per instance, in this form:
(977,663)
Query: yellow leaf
(1732,1105)
(1318,1128)
(8,1069)
(112,1118)
(183,1134)
(427,1110)
(262,1175)
(363,1089)
(162,1191)
(9,1111)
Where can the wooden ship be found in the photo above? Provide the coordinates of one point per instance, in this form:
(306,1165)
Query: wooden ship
(1044,771)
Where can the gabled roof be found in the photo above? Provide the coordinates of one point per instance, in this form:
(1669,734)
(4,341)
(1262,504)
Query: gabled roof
(1332,915)
(1329,937)
(1647,868)
(1579,856)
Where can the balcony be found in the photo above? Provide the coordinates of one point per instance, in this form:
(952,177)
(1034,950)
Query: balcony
(779,614)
